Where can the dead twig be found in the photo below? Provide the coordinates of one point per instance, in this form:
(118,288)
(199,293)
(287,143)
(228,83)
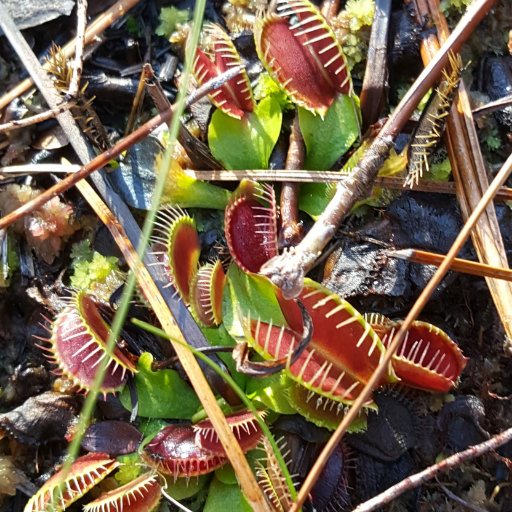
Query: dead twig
(102,160)
(429,473)
(291,230)
(102,22)
(399,336)
(460,501)
(81,14)
(373,94)
(288,270)
(136,106)
(493,106)
(43,116)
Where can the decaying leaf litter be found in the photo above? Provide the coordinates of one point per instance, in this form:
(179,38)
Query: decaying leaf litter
(61,260)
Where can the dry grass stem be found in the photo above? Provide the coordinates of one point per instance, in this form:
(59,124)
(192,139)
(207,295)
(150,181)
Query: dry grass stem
(460,265)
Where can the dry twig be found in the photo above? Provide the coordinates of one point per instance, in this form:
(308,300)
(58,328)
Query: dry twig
(460,265)
(389,182)
(43,116)
(81,14)
(469,171)
(291,230)
(373,97)
(288,270)
(448,463)
(460,501)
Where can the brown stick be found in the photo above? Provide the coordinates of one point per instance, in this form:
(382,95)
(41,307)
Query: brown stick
(399,336)
(137,104)
(81,14)
(43,116)
(429,473)
(291,230)
(460,501)
(288,270)
(373,97)
(102,160)
(460,265)
(99,25)
(390,182)
(491,107)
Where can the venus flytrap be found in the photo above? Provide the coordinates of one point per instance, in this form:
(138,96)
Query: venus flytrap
(242,134)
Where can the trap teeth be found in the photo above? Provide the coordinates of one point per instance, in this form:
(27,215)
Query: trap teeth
(176,231)
(251,231)
(206,290)
(78,346)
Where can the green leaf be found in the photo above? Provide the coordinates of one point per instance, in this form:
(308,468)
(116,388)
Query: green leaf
(162,394)
(248,142)
(220,336)
(185,191)
(150,428)
(226,474)
(249,293)
(224,497)
(326,140)
(184,488)
(314,197)
(271,391)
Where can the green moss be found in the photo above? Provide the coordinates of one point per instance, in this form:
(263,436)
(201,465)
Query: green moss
(440,171)
(80,252)
(130,469)
(170,17)
(460,5)
(133,27)
(268,87)
(360,12)
(90,271)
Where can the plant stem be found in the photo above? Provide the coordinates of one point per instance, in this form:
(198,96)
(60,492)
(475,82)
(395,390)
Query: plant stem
(291,230)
